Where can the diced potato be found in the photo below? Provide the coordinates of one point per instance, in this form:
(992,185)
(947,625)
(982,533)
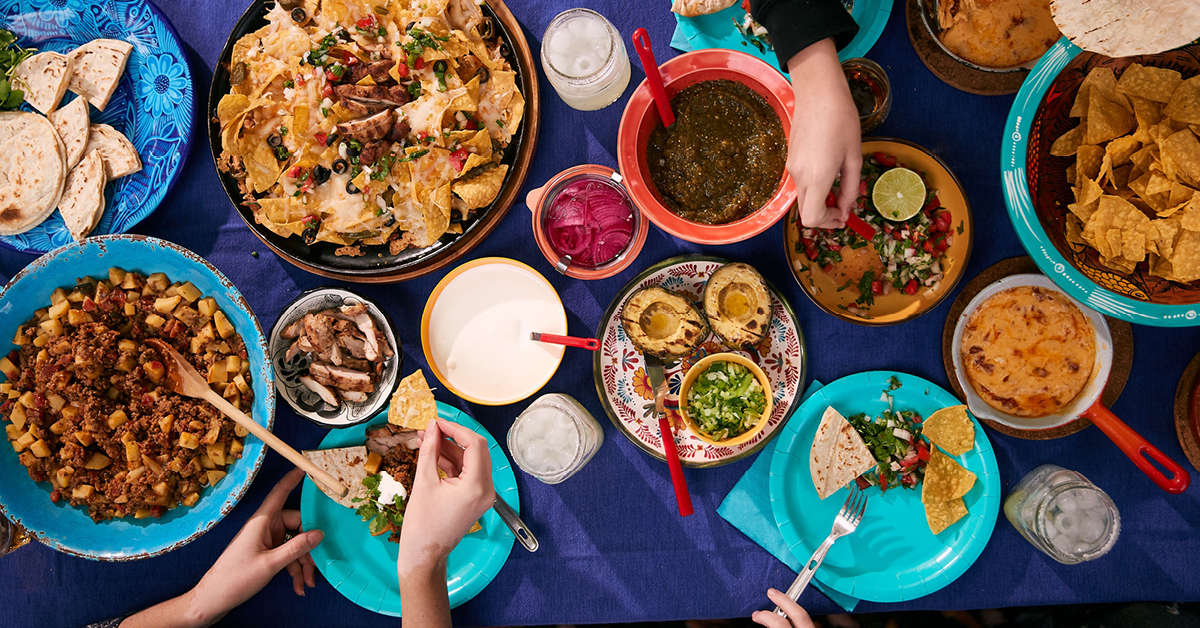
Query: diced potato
(130,309)
(24,441)
(58,296)
(141,513)
(207,306)
(165,304)
(20,338)
(133,296)
(60,308)
(13,431)
(113,393)
(26,399)
(187,440)
(14,393)
(216,453)
(85,438)
(176,466)
(214,477)
(77,296)
(27,459)
(232,395)
(9,369)
(191,499)
(83,491)
(206,335)
(196,346)
(223,347)
(116,275)
(51,327)
(172,290)
(213,434)
(196,425)
(372,464)
(216,373)
(5,387)
(127,364)
(40,448)
(133,454)
(151,464)
(240,431)
(233,364)
(117,419)
(123,499)
(130,281)
(79,317)
(224,327)
(189,292)
(134,474)
(236,447)
(166,423)
(155,321)
(42,357)
(58,427)
(206,463)
(240,381)
(155,371)
(17,416)
(64,475)
(126,344)
(161,488)
(158,281)
(187,315)
(193,466)
(56,401)
(151,397)
(41,340)
(69,412)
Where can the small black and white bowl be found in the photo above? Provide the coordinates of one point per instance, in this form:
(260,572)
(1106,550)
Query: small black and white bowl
(309,404)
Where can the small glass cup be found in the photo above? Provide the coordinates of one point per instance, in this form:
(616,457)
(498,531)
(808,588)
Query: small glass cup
(585,60)
(1063,514)
(554,438)
(871,91)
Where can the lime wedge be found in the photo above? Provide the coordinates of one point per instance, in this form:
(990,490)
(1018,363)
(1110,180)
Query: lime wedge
(899,194)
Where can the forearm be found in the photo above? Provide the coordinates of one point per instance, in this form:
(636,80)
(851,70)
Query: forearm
(816,70)
(179,612)
(423,597)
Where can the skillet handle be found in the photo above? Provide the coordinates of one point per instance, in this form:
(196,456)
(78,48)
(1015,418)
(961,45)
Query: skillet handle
(1138,448)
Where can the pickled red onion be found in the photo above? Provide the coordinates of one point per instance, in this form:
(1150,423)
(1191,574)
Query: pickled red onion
(590,221)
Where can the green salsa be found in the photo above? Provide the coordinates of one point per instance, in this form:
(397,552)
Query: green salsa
(726,400)
(723,158)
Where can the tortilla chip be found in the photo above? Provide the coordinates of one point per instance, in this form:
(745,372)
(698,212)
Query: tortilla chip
(1088,159)
(1185,259)
(1121,149)
(1184,151)
(1074,230)
(1105,82)
(1157,84)
(1068,142)
(951,429)
(1185,102)
(1106,120)
(412,405)
(481,189)
(945,479)
(941,515)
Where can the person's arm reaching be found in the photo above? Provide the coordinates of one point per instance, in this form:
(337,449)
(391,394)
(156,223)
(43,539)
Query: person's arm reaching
(825,140)
(438,514)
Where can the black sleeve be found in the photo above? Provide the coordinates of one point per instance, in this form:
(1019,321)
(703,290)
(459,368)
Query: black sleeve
(797,24)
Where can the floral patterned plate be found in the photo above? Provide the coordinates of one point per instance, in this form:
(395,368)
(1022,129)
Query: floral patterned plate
(624,388)
(153,104)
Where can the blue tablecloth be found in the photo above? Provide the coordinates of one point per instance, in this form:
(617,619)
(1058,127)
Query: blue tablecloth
(613,547)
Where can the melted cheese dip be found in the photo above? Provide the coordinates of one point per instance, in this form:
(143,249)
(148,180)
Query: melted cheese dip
(1000,33)
(1028,351)
(479,332)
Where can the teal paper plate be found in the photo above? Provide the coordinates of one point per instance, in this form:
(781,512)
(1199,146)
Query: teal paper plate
(717,30)
(892,556)
(1029,227)
(363,567)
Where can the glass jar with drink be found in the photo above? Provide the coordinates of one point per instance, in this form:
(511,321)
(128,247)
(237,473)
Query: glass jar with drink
(1063,514)
(554,438)
(584,59)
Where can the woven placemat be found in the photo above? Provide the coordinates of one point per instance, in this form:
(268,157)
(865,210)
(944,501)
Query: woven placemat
(1122,336)
(1188,431)
(949,69)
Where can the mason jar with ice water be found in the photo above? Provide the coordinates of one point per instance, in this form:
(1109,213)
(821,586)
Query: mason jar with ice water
(1063,514)
(585,60)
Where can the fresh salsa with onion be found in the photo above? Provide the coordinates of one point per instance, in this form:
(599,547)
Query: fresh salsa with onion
(911,251)
(894,438)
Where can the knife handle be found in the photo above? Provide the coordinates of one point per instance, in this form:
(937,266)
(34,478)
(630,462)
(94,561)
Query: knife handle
(682,497)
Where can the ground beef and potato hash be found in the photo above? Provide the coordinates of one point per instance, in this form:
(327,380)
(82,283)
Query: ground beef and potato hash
(86,405)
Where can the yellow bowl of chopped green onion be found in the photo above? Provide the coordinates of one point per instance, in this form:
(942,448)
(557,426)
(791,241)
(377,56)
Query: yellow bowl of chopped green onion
(725,399)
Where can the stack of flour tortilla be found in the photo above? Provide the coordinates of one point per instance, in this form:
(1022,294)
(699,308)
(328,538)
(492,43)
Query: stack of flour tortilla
(62,160)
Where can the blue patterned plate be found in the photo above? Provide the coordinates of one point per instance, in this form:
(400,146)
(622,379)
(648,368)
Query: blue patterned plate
(153,104)
(363,567)
(892,556)
(69,529)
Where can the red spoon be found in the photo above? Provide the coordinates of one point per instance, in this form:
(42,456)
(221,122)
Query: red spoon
(641,42)
(591,344)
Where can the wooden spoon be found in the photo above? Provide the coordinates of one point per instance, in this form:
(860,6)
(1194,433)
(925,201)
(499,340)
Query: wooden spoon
(183,379)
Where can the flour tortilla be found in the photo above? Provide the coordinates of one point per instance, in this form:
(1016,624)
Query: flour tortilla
(1122,28)
(838,454)
(44,78)
(71,122)
(33,168)
(82,201)
(347,465)
(120,157)
(97,69)
(693,8)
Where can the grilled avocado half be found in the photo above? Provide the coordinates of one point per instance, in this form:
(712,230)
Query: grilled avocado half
(738,305)
(663,323)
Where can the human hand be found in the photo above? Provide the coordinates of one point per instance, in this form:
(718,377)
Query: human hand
(441,510)
(257,553)
(826,138)
(798,616)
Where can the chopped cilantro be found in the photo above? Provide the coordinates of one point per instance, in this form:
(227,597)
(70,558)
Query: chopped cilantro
(894,383)
(866,296)
(414,89)
(960,227)
(283,131)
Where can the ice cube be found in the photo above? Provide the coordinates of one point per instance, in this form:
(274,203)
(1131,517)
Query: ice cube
(1062,543)
(595,31)
(1091,528)
(1051,532)
(1080,549)
(1066,503)
(1087,498)
(1068,524)
(584,65)
(537,455)
(1029,510)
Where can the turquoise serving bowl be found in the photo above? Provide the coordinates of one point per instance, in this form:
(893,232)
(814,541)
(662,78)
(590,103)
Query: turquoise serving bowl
(69,529)
(363,567)
(892,556)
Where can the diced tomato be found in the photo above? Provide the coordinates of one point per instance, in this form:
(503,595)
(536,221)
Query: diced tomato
(320,137)
(877,287)
(157,511)
(118,297)
(746,5)
(830,200)
(943,221)
(941,245)
(887,228)
(366,22)
(470,124)
(828,268)
(922,452)
(349,58)
(862,188)
(88,304)
(300,80)
(294,172)
(421,135)
(419,63)
(811,253)
(458,158)
(55,495)
(862,483)
(6,405)
(401,70)
(835,247)
(885,160)
(928,246)
(883,485)
(934,204)
(147,400)
(46,372)
(327,92)
(911,288)
(908,480)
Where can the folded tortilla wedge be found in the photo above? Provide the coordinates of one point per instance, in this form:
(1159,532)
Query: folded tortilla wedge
(44,77)
(96,69)
(82,201)
(345,464)
(838,454)
(71,122)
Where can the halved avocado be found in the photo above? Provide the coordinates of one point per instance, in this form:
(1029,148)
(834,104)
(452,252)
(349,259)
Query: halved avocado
(663,323)
(738,305)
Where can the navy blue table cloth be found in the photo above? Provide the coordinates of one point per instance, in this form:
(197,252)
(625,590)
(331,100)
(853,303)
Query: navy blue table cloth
(613,547)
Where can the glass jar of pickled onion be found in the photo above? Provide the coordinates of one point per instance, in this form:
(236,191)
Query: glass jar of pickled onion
(585,222)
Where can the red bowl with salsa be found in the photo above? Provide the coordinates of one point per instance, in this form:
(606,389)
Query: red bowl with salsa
(641,118)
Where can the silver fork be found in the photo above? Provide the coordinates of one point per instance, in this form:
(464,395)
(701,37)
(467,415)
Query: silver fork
(845,523)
